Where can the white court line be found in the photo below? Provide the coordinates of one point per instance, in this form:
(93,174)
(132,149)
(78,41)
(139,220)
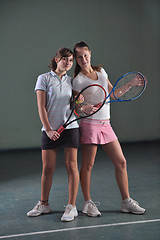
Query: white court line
(78,228)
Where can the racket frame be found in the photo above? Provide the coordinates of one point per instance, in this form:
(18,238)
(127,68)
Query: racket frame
(112,91)
(73,108)
(125,100)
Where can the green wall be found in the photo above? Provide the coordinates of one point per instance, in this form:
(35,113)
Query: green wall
(123,35)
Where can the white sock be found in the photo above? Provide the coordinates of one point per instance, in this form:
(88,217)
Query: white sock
(88,201)
(126,200)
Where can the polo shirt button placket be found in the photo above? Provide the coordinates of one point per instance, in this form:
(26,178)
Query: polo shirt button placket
(60,85)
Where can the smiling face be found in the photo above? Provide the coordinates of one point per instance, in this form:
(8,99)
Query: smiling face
(83,57)
(64,63)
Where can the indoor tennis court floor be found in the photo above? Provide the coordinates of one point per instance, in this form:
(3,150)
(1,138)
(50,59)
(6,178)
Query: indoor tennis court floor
(20,174)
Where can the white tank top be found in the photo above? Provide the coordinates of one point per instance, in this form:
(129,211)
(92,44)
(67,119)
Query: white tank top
(81,81)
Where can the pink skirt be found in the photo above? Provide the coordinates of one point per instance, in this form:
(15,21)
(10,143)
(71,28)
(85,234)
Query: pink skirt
(94,131)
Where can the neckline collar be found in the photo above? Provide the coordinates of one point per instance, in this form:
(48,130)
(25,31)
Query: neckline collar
(55,75)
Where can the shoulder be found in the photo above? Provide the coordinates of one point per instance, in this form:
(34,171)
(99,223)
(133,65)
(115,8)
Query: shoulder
(69,78)
(78,75)
(104,72)
(78,78)
(44,76)
(77,82)
(42,81)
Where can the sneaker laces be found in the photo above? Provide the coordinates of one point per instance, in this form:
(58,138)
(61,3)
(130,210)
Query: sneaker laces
(68,208)
(95,204)
(134,202)
(39,204)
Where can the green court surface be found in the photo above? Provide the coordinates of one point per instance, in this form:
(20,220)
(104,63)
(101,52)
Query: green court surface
(20,175)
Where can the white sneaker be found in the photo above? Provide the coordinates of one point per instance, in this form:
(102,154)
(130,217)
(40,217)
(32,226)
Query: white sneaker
(130,205)
(90,208)
(38,210)
(69,214)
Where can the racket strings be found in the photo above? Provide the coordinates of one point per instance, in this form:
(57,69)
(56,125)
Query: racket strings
(93,98)
(135,83)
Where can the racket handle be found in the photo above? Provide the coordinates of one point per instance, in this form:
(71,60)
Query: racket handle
(60,129)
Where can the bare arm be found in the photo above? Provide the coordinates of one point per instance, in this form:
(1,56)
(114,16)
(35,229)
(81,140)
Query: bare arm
(118,92)
(136,81)
(41,102)
(110,87)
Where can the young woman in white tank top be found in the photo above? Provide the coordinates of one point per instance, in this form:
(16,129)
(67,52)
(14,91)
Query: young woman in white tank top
(97,130)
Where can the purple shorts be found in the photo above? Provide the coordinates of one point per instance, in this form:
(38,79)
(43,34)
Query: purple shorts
(94,131)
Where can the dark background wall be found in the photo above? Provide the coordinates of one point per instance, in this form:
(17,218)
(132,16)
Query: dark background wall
(123,35)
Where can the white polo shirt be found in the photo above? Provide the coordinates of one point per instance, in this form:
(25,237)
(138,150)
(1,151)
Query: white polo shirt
(58,95)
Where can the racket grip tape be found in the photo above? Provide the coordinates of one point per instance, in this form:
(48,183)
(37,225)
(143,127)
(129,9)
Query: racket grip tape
(60,129)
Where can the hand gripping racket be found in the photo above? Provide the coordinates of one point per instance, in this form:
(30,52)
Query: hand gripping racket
(89,101)
(128,87)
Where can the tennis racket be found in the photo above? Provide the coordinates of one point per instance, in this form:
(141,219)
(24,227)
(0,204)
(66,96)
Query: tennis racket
(128,87)
(88,101)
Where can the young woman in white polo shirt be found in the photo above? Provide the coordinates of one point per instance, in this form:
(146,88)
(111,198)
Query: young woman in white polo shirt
(54,92)
(97,130)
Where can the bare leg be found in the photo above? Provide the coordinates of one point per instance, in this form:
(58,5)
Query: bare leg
(49,162)
(88,157)
(115,153)
(73,174)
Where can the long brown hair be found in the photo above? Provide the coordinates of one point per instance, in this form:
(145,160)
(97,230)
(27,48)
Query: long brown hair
(62,52)
(77,67)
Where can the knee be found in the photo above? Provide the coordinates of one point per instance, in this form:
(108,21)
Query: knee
(71,166)
(87,166)
(121,164)
(47,171)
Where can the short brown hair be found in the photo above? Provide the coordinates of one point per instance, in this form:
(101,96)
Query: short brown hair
(62,52)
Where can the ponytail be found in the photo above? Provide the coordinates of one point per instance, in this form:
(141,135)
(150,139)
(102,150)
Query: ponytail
(53,64)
